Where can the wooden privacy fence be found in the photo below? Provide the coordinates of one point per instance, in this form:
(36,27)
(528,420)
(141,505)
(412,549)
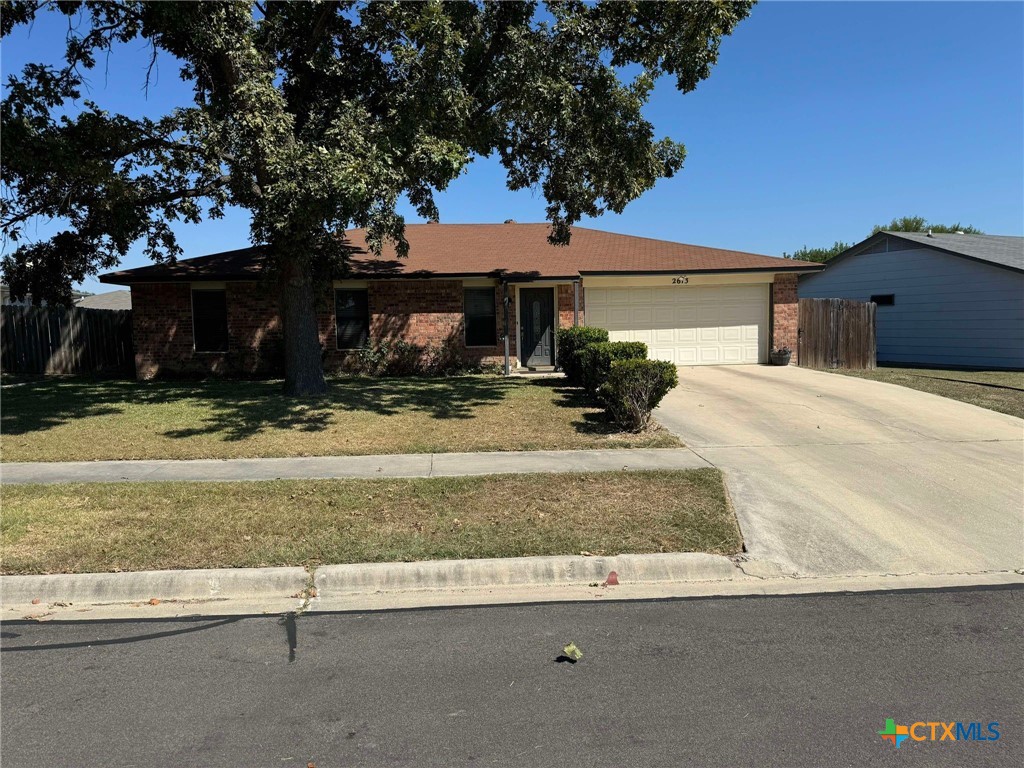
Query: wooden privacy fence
(837,333)
(56,340)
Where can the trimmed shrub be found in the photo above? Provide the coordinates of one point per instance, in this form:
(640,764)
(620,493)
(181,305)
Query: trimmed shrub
(634,388)
(389,357)
(570,342)
(596,360)
(444,359)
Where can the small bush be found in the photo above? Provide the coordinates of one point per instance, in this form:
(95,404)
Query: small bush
(634,389)
(596,360)
(395,357)
(371,359)
(570,342)
(444,359)
(390,357)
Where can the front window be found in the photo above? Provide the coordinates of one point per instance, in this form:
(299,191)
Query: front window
(352,316)
(210,320)
(481,317)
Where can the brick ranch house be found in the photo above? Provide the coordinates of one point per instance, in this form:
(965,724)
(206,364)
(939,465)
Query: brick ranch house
(466,284)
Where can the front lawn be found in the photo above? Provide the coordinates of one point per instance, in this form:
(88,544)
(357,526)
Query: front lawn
(109,527)
(79,419)
(1001,391)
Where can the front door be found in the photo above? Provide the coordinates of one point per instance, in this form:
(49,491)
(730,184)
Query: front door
(536,313)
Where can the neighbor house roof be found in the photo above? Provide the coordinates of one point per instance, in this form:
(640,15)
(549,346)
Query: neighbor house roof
(509,251)
(108,300)
(999,250)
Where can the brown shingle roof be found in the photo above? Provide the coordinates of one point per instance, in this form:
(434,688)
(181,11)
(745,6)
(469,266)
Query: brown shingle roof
(500,250)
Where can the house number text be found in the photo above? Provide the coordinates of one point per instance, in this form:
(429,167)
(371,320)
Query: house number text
(680,280)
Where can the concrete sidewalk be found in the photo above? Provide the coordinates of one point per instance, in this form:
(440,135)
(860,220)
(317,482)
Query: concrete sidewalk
(325,467)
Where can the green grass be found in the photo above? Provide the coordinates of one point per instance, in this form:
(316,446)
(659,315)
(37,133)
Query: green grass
(79,419)
(1001,391)
(109,527)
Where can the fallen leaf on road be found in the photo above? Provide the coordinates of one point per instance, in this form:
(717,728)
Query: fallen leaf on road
(612,580)
(154,601)
(36,601)
(572,652)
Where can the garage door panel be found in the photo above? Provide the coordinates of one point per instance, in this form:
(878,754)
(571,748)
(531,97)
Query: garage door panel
(710,355)
(664,317)
(731,334)
(686,356)
(693,325)
(668,354)
(640,296)
(686,317)
(641,317)
(709,334)
(618,317)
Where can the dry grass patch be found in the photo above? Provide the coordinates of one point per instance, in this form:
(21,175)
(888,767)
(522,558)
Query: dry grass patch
(74,419)
(108,527)
(1001,391)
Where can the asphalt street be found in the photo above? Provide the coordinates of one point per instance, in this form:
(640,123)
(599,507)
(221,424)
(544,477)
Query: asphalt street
(782,681)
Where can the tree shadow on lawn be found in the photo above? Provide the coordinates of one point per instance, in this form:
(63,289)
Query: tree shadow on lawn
(240,409)
(40,403)
(593,420)
(238,418)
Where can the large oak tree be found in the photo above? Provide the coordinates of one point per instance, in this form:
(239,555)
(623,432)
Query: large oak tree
(318,116)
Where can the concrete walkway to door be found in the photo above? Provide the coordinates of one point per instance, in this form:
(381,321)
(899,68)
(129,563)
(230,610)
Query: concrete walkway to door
(831,474)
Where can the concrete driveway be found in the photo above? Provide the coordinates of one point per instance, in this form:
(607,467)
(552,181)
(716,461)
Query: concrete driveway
(833,475)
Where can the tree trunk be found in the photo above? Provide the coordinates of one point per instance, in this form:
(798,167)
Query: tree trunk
(303,366)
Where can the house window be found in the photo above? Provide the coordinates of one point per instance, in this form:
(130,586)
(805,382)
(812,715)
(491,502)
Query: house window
(352,316)
(481,317)
(884,299)
(210,320)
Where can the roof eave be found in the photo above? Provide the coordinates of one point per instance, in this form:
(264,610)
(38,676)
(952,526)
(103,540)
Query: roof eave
(720,271)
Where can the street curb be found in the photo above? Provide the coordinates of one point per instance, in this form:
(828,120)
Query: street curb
(331,580)
(99,588)
(335,581)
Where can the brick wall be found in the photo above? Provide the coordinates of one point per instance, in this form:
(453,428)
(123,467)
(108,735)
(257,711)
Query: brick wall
(419,311)
(161,326)
(423,312)
(565,305)
(785,313)
(164,343)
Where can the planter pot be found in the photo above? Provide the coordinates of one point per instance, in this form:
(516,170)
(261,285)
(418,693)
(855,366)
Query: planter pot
(781,358)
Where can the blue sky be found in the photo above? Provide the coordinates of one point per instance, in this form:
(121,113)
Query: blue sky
(819,121)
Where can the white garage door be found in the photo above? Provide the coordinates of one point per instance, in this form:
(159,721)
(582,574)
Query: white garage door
(685,325)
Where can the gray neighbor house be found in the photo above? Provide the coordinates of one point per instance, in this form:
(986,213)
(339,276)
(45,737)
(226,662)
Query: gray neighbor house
(943,299)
